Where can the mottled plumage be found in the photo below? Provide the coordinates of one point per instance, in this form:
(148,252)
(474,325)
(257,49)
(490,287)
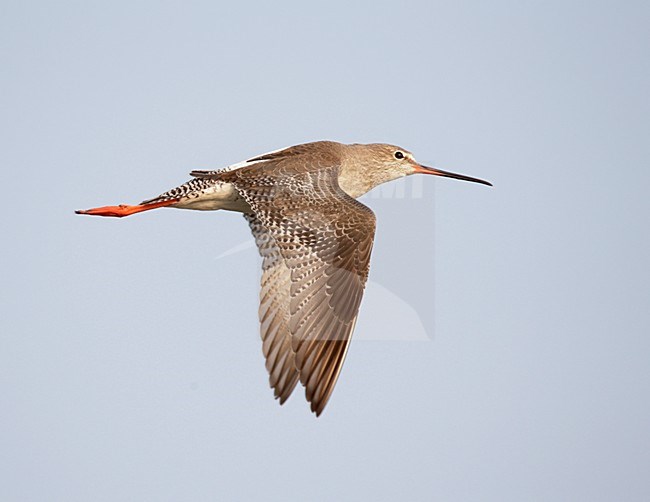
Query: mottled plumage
(324,237)
(315,240)
(274,312)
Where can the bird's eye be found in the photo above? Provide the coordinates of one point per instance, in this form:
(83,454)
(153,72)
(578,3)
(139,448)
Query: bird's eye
(399,155)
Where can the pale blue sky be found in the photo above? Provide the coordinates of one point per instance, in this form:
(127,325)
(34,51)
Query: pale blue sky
(130,365)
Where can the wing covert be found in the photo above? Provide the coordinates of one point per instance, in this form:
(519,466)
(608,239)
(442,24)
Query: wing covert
(325,239)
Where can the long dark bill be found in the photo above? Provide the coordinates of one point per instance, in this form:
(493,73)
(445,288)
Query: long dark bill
(446,174)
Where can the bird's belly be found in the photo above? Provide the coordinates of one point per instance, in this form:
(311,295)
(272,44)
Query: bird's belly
(218,196)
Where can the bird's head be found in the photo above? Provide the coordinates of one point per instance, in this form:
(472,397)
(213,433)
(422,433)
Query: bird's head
(367,166)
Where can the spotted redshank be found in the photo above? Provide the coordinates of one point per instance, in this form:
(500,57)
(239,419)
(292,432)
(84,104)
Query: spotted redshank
(315,240)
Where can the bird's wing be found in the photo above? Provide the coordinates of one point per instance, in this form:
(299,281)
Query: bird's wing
(274,313)
(325,238)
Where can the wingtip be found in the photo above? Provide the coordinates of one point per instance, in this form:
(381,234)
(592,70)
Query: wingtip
(317,409)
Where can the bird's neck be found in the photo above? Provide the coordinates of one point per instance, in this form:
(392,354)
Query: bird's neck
(351,173)
(352,185)
(360,173)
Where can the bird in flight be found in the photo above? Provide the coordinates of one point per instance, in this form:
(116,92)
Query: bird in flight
(315,241)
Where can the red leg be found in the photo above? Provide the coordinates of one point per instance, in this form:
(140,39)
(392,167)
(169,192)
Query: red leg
(124,210)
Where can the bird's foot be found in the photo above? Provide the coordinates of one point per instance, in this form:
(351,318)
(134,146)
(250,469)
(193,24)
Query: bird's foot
(114,211)
(123,209)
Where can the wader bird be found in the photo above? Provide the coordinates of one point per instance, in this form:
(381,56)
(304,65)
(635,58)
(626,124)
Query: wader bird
(315,240)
